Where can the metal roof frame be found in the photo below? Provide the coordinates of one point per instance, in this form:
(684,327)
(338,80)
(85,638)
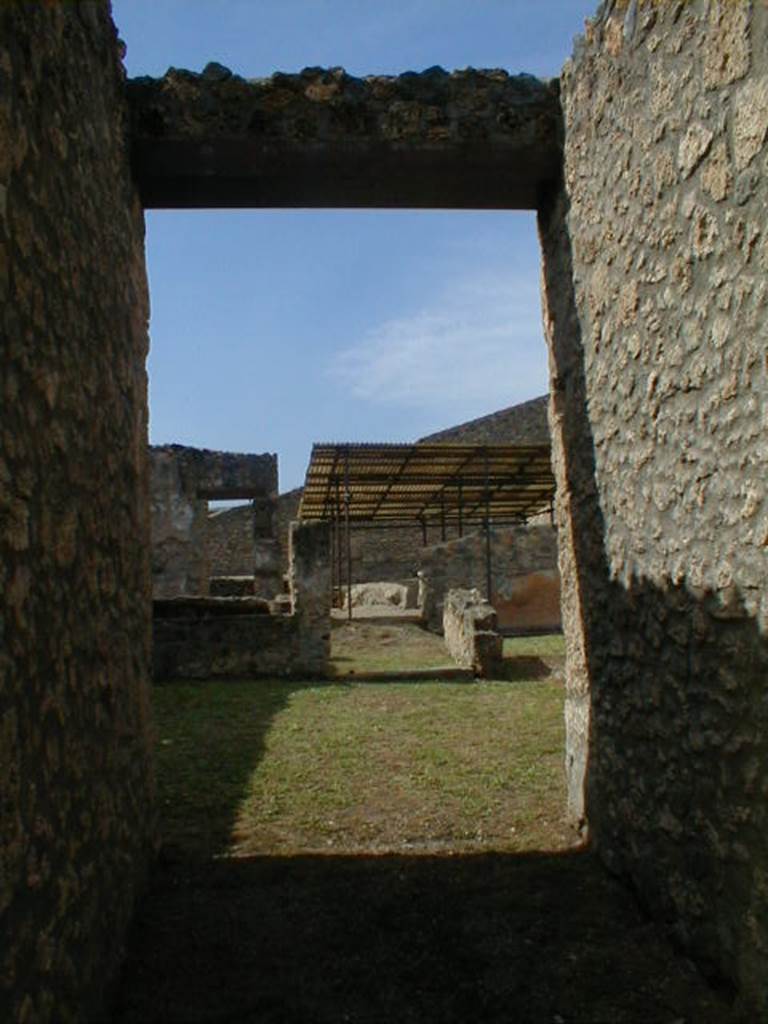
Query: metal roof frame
(399,484)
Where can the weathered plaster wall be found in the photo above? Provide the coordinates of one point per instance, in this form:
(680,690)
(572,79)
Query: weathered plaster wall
(662,340)
(524,581)
(181,482)
(75,814)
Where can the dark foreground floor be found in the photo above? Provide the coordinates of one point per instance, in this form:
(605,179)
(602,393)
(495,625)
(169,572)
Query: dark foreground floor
(539,938)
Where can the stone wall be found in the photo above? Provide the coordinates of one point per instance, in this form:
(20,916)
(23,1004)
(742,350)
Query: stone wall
(237,637)
(182,480)
(481,138)
(225,638)
(659,422)
(241,541)
(75,815)
(525,587)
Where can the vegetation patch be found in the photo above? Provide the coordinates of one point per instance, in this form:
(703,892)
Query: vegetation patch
(276,767)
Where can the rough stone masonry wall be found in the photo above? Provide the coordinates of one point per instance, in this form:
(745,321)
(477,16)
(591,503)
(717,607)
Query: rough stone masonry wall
(310,586)
(230,541)
(181,481)
(664,514)
(75,815)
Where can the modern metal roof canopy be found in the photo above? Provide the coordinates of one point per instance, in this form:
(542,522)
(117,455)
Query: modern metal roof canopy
(403,483)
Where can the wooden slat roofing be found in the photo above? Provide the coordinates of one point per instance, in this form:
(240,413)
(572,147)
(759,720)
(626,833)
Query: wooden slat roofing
(403,483)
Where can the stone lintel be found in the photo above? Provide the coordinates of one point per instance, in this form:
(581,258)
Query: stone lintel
(321,138)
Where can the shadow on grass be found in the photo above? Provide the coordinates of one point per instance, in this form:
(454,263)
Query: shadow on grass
(532,938)
(211,736)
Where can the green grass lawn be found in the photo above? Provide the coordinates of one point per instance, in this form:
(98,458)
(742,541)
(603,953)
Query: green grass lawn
(281,767)
(549,645)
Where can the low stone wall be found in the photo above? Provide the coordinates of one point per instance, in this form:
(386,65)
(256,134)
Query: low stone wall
(230,638)
(234,637)
(469,628)
(241,541)
(525,585)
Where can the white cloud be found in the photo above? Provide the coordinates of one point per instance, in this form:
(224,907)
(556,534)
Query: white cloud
(478,344)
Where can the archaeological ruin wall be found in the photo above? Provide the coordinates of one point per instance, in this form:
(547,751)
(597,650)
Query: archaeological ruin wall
(525,584)
(182,480)
(655,277)
(243,637)
(654,291)
(76,816)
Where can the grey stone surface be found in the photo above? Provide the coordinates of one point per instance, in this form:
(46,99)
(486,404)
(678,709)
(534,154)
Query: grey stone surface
(229,637)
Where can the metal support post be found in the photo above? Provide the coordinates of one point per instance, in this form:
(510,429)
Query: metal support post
(488,576)
(347,499)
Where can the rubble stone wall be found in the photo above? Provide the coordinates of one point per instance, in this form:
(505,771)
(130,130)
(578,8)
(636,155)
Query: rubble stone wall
(229,638)
(182,481)
(75,767)
(237,637)
(659,423)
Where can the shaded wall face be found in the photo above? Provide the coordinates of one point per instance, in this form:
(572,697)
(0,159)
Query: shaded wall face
(666,116)
(74,573)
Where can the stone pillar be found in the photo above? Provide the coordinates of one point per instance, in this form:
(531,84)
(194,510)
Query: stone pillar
(310,588)
(76,817)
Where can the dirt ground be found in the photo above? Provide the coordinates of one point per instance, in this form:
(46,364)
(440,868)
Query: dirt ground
(372,938)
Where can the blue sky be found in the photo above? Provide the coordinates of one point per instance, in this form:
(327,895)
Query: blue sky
(274,329)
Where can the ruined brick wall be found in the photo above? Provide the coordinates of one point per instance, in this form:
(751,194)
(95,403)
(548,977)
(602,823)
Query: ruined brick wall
(75,815)
(524,581)
(659,418)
